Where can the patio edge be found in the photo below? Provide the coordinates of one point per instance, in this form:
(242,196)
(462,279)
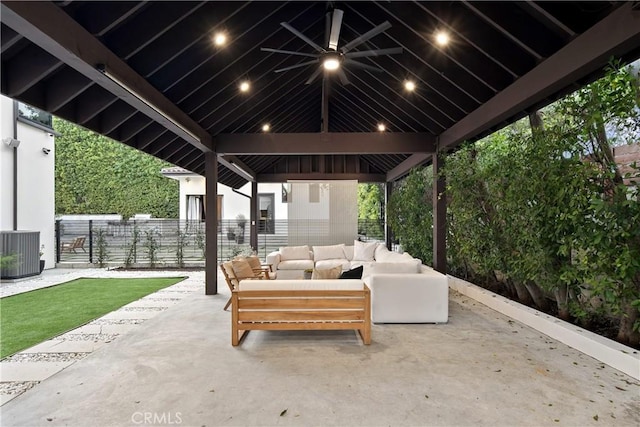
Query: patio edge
(612,353)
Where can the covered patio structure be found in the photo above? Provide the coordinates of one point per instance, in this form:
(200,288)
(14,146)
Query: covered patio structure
(159,77)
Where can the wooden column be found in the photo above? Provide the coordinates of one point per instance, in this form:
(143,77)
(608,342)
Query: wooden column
(211,223)
(388,235)
(253,216)
(439,216)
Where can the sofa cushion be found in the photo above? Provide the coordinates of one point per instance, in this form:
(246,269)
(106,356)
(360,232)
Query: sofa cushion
(242,269)
(296,264)
(288,253)
(328,252)
(314,285)
(330,263)
(364,251)
(381,251)
(329,273)
(355,273)
(348,252)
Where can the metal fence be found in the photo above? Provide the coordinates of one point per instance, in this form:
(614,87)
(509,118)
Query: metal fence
(171,242)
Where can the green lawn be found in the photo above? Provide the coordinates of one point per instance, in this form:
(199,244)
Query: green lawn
(32,317)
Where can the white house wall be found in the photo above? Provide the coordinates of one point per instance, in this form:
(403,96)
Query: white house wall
(36,176)
(233,204)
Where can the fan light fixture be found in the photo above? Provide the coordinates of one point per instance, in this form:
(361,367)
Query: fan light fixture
(335,57)
(331,61)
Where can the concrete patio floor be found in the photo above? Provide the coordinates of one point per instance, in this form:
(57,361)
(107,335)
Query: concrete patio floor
(482,368)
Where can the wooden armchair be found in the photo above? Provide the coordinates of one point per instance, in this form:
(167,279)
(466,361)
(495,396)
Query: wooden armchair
(77,243)
(232,280)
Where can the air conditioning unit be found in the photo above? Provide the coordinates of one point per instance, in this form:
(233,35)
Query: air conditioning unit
(20,254)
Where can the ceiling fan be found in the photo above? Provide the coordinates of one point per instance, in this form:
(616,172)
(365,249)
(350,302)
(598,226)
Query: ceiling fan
(333,58)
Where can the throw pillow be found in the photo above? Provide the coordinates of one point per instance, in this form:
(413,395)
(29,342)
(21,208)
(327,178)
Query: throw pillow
(329,273)
(354,273)
(328,252)
(294,252)
(254,262)
(242,269)
(364,251)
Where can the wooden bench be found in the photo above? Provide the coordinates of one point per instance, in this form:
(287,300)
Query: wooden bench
(77,243)
(300,304)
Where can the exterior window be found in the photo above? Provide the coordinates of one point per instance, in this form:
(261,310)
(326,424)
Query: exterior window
(266,214)
(195,208)
(34,115)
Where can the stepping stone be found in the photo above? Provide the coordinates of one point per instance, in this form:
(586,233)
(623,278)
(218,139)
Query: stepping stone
(121,314)
(151,303)
(31,371)
(65,346)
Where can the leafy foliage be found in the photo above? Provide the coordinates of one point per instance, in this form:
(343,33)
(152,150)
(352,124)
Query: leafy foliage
(411,213)
(540,210)
(96,175)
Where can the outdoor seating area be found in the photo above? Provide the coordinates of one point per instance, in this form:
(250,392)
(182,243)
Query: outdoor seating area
(481,368)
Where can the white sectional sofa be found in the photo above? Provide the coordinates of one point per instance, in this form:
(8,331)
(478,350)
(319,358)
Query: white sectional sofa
(402,289)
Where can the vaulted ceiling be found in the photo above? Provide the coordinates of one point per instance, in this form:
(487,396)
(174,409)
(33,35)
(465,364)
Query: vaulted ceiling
(149,74)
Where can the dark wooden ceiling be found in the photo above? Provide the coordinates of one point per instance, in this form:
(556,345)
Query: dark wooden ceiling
(504,60)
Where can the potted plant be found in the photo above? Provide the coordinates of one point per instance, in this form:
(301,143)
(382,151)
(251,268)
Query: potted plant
(241,221)
(231,234)
(42,262)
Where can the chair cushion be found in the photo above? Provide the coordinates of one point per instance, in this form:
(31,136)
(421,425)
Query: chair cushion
(328,252)
(296,264)
(330,273)
(254,262)
(242,269)
(288,253)
(355,273)
(364,251)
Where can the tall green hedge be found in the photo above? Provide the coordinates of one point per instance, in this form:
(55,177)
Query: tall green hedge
(96,175)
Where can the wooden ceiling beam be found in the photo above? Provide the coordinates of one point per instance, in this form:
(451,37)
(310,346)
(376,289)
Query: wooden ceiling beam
(316,176)
(324,143)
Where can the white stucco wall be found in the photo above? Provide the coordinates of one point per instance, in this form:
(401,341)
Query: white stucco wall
(233,204)
(36,181)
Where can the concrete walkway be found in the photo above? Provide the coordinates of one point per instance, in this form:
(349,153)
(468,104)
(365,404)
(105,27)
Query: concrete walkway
(179,368)
(26,369)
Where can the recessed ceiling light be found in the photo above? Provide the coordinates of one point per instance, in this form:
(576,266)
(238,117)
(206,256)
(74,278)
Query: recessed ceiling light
(220,39)
(244,86)
(442,38)
(266,127)
(381,127)
(409,85)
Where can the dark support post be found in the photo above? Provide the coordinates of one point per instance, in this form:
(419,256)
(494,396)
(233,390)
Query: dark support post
(211,223)
(91,241)
(57,241)
(253,217)
(439,215)
(388,235)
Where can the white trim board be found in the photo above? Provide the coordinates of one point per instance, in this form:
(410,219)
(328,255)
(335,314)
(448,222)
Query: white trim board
(612,353)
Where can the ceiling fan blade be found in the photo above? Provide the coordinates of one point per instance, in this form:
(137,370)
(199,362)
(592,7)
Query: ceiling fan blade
(336,24)
(303,37)
(288,52)
(315,74)
(343,77)
(377,52)
(352,63)
(366,36)
(302,64)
